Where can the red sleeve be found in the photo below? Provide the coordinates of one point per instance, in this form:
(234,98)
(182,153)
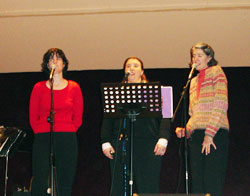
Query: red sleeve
(78,106)
(34,107)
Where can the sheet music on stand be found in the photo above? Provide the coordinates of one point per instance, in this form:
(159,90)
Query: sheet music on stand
(119,99)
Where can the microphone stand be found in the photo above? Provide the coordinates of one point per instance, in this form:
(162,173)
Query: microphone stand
(132,116)
(51,189)
(184,119)
(124,150)
(124,140)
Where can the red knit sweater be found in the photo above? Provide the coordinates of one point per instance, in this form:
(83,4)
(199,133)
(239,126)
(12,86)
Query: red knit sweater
(68,108)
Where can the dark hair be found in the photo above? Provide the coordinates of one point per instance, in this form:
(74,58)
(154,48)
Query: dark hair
(143,77)
(208,50)
(50,54)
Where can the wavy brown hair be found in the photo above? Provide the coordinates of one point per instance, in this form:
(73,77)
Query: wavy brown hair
(208,50)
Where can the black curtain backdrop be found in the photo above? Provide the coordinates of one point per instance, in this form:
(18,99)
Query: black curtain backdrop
(93,178)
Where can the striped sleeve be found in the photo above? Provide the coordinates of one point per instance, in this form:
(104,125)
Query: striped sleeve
(220,103)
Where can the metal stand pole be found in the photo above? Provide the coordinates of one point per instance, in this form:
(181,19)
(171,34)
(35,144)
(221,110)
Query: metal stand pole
(132,116)
(6,173)
(183,97)
(51,190)
(124,140)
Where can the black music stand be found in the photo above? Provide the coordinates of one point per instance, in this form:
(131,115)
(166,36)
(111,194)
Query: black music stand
(131,100)
(10,138)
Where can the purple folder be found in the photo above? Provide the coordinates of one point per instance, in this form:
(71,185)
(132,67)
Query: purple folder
(167,101)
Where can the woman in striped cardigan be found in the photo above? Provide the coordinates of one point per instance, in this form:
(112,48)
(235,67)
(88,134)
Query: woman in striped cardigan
(208,125)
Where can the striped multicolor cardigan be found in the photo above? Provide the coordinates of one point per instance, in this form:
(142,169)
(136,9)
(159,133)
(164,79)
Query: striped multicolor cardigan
(208,110)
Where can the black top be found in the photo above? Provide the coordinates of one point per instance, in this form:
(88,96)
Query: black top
(148,128)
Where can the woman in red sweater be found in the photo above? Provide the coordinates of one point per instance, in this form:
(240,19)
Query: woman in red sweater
(68,109)
(208,124)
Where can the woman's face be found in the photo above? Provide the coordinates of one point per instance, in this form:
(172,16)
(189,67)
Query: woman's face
(56,61)
(200,59)
(133,66)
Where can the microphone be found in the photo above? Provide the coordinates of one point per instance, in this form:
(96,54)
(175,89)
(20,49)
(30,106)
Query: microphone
(126,76)
(53,68)
(192,71)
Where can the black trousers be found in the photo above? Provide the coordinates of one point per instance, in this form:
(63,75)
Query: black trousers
(208,172)
(65,154)
(146,166)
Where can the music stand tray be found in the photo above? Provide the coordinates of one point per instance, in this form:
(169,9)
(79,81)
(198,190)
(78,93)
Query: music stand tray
(10,139)
(142,98)
(11,142)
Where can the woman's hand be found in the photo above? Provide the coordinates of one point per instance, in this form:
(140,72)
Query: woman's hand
(109,152)
(206,144)
(159,149)
(180,132)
